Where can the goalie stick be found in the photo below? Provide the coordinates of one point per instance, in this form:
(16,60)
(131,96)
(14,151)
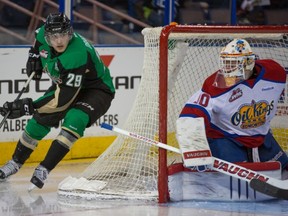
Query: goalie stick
(274,187)
(222,166)
(18,97)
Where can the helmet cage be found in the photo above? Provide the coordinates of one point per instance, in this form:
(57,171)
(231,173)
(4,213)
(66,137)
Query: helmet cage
(236,66)
(57,24)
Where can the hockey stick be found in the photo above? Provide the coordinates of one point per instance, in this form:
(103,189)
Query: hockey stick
(273,187)
(219,165)
(18,97)
(139,137)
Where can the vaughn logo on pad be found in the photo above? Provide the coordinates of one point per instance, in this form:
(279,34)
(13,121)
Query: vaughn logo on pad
(197,154)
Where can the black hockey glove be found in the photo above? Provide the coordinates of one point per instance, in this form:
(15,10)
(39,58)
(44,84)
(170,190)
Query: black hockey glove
(18,108)
(34,64)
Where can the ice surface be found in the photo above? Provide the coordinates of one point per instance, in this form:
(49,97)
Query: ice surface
(15,200)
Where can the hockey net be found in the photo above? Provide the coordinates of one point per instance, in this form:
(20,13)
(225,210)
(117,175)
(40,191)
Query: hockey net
(177,59)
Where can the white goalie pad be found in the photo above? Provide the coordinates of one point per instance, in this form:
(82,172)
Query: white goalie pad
(72,183)
(208,185)
(193,143)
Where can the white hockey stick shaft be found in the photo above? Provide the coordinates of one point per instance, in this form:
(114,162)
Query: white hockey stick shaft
(219,165)
(139,137)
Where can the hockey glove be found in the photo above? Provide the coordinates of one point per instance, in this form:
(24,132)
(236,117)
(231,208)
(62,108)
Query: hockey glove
(17,108)
(34,64)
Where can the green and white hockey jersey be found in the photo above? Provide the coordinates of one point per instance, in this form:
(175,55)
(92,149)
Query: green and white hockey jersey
(78,67)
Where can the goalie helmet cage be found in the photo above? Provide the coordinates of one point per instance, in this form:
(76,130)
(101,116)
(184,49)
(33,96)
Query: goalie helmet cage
(177,59)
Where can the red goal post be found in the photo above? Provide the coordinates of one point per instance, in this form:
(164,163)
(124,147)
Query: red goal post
(177,59)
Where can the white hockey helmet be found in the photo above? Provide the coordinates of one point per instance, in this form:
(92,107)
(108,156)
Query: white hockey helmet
(236,62)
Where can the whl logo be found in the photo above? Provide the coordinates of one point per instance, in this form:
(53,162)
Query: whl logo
(237,93)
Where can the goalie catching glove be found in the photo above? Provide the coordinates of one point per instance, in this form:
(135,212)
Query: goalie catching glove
(34,64)
(17,108)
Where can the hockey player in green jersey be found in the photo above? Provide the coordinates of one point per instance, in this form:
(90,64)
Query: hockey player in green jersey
(81,92)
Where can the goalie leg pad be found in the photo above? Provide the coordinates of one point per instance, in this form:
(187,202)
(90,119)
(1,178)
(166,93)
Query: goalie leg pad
(271,151)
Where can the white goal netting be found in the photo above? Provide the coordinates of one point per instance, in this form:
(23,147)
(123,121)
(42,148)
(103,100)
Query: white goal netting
(129,168)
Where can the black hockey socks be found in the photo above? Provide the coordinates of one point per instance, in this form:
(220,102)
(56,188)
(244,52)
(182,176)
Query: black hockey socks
(55,154)
(21,153)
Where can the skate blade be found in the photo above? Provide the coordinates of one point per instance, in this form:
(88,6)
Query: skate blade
(31,187)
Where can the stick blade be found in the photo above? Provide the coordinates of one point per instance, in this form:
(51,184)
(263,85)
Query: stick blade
(268,189)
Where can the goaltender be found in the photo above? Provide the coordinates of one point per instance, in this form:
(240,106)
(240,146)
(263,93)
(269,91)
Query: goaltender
(81,92)
(238,103)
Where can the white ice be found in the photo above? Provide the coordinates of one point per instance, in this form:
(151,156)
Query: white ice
(15,200)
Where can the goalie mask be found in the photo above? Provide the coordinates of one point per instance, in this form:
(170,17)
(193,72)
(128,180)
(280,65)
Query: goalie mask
(57,25)
(236,63)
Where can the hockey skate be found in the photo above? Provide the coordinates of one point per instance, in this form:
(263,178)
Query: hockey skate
(10,168)
(39,176)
